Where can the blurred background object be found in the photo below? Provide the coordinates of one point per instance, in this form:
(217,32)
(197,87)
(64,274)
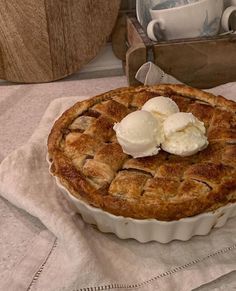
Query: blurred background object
(42,41)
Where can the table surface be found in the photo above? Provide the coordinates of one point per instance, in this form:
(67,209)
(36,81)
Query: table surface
(21,108)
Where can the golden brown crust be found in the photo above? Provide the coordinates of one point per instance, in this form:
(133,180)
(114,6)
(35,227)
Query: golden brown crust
(90,163)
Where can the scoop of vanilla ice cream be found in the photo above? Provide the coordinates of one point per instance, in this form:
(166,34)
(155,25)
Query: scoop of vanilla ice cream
(184,134)
(139,134)
(161,107)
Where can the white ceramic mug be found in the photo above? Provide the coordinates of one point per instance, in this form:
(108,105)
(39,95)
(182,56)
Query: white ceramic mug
(201,18)
(225,21)
(142,10)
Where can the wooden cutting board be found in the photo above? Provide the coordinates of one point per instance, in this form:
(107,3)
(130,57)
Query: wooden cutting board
(46,40)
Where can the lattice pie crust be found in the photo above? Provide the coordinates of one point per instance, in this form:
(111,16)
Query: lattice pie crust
(89,162)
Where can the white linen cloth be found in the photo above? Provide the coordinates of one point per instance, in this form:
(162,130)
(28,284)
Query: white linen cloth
(68,254)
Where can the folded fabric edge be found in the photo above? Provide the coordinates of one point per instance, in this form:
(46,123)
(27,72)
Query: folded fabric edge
(171,278)
(24,274)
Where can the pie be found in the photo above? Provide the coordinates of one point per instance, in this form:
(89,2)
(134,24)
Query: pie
(89,162)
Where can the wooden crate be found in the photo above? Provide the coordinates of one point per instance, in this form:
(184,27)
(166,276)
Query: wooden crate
(198,62)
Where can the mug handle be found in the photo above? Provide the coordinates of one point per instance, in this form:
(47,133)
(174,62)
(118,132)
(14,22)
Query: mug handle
(150,28)
(225,17)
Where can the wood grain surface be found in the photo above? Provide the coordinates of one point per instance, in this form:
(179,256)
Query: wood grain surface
(198,62)
(46,40)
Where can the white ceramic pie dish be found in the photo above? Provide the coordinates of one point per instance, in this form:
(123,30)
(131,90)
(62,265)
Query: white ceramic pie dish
(147,230)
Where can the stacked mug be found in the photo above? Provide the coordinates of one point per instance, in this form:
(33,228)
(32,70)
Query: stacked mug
(179,19)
